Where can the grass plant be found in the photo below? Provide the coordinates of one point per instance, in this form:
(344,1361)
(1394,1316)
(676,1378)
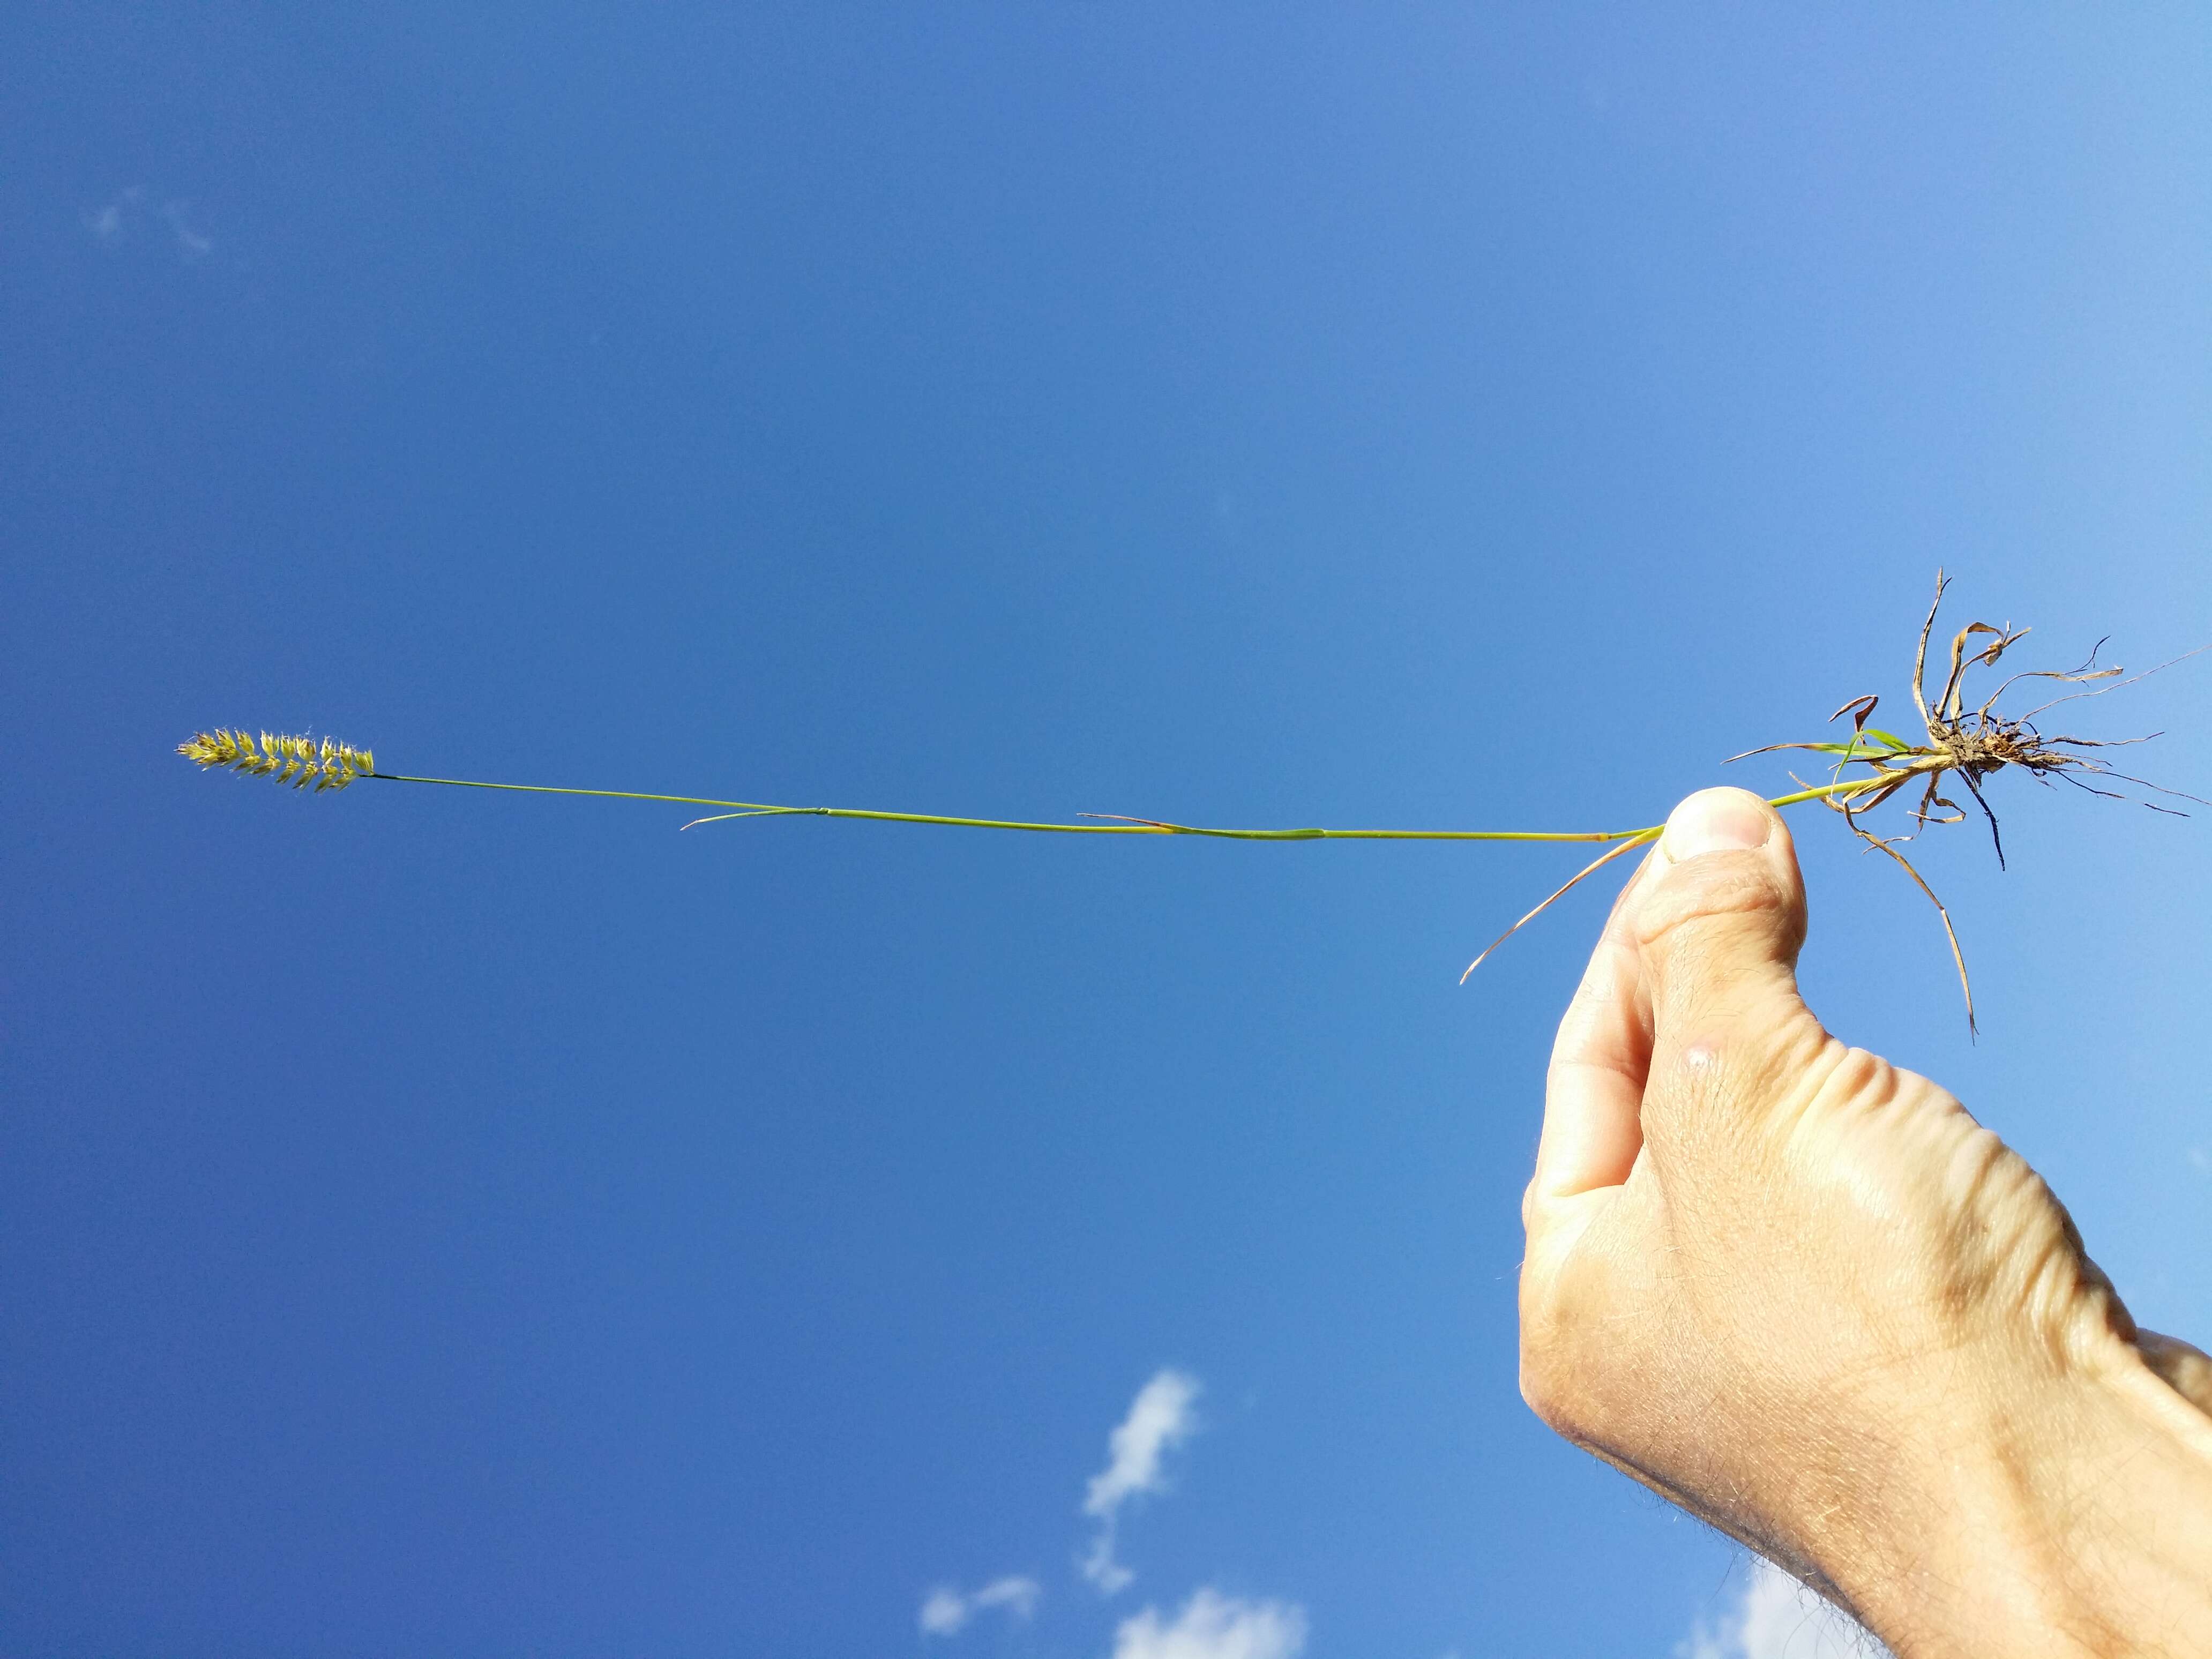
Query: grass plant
(1961,742)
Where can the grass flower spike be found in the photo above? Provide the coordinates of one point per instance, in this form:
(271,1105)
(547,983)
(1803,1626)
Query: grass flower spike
(298,762)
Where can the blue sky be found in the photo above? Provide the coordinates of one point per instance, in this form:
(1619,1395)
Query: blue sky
(439,1222)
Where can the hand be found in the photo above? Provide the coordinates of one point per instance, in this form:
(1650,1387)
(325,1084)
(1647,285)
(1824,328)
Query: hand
(1804,1295)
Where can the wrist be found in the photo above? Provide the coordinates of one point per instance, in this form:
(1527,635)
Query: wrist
(2072,1518)
(2140,1536)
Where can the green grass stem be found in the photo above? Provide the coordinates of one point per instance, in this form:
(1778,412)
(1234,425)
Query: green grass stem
(741,809)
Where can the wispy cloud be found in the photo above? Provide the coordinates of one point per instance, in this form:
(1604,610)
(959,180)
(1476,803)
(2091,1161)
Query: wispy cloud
(2201,1158)
(946,1612)
(1160,1418)
(108,222)
(115,222)
(190,242)
(1212,1626)
(1777,1618)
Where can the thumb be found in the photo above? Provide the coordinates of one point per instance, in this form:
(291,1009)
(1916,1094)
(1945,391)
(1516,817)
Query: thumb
(1720,913)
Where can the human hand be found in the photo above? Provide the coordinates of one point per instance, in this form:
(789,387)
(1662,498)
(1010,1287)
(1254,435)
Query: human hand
(1803,1294)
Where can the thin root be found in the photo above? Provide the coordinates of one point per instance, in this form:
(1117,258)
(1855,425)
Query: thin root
(1970,742)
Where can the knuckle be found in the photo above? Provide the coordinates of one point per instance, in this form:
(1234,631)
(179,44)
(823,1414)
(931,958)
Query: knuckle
(1858,1076)
(1545,1387)
(1559,1395)
(1555,1370)
(1722,887)
(2186,1368)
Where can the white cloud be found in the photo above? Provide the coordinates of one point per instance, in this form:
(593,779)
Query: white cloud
(107,223)
(116,220)
(1160,1418)
(1018,1596)
(1215,1626)
(946,1612)
(1777,1618)
(190,242)
(2201,1158)
(1100,1567)
(943,1612)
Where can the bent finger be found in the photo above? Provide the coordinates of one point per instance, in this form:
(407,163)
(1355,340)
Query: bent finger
(1593,1091)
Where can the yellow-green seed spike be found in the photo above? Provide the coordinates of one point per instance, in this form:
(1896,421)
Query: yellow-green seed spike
(301,762)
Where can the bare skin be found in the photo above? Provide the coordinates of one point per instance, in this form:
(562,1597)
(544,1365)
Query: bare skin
(1801,1294)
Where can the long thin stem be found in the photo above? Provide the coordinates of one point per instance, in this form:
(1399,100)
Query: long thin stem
(1142,827)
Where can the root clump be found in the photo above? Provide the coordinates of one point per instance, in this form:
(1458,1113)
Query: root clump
(1969,745)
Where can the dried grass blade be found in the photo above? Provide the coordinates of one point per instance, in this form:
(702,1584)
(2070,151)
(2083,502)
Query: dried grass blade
(1958,957)
(1590,869)
(1920,657)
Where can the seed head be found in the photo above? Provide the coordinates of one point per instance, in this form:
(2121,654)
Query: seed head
(298,762)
